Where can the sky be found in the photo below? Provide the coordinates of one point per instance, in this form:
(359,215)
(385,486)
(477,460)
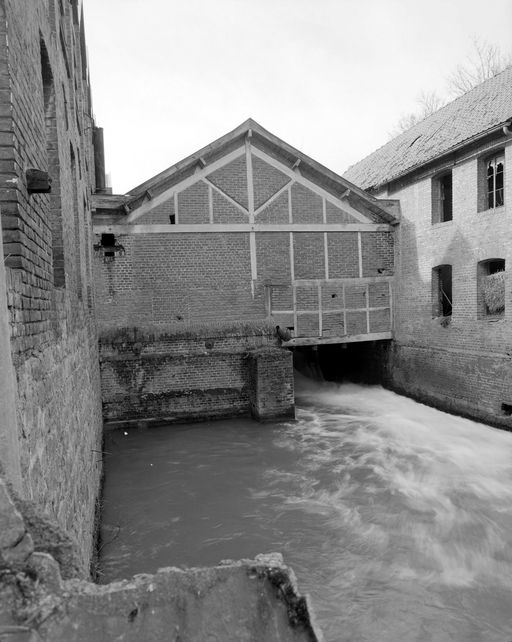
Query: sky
(330,77)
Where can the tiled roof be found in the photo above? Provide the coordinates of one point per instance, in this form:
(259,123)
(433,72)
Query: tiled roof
(480,110)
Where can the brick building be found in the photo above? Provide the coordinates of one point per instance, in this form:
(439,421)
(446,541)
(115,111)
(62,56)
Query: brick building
(247,228)
(453,299)
(46,139)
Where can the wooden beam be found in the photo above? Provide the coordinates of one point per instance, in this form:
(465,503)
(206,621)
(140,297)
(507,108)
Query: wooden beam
(167,194)
(295,175)
(354,338)
(162,228)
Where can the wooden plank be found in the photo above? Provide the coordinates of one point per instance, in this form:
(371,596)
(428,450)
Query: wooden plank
(354,338)
(360,254)
(320,320)
(299,312)
(349,280)
(159,228)
(250,180)
(210,203)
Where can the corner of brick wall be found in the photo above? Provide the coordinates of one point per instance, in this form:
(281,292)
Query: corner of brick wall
(271,389)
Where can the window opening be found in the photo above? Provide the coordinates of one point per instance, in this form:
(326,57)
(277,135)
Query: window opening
(108,241)
(495,168)
(53,164)
(446,197)
(442,291)
(172,219)
(506,408)
(442,198)
(491,284)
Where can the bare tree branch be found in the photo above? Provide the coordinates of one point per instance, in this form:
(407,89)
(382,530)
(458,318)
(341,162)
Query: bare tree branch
(485,61)
(428,103)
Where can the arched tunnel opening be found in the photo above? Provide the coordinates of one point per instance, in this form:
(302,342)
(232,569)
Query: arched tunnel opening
(358,362)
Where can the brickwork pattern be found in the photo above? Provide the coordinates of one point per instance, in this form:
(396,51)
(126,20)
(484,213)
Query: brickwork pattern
(308,255)
(158,376)
(377,253)
(275,212)
(267,181)
(271,384)
(193,204)
(273,256)
(160,215)
(45,122)
(464,364)
(232,179)
(306,205)
(178,278)
(212,277)
(334,214)
(226,212)
(343,253)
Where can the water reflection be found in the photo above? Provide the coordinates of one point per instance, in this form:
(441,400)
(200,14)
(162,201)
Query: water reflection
(396,518)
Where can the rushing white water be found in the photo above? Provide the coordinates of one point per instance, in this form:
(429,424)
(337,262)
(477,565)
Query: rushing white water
(396,518)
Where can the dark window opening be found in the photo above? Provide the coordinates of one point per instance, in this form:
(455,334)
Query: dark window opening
(442,291)
(172,219)
(442,198)
(108,240)
(495,169)
(506,408)
(53,166)
(446,197)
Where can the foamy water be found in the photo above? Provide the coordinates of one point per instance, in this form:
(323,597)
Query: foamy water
(396,518)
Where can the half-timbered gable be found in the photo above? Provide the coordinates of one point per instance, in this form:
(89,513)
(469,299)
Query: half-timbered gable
(249,228)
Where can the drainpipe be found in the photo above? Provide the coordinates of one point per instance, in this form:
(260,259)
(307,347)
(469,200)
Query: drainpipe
(9,445)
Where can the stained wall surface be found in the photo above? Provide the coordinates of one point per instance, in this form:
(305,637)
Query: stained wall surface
(160,376)
(46,125)
(247,237)
(461,362)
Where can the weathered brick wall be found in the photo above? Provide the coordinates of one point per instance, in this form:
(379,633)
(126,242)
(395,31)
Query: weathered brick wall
(167,375)
(175,275)
(271,384)
(46,124)
(185,278)
(465,365)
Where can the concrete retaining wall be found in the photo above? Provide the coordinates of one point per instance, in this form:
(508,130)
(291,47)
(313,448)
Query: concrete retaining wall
(251,600)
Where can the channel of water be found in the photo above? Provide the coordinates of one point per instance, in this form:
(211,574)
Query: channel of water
(396,518)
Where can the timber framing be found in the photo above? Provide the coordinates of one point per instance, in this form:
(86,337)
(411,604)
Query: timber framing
(249,140)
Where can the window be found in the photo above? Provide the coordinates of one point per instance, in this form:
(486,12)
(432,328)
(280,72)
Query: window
(52,147)
(494,175)
(491,288)
(442,291)
(442,198)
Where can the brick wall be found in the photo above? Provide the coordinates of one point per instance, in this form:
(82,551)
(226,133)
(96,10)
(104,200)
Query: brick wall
(185,277)
(46,124)
(161,375)
(463,363)
(271,384)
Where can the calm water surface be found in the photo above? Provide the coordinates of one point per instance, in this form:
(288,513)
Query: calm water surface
(396,518)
